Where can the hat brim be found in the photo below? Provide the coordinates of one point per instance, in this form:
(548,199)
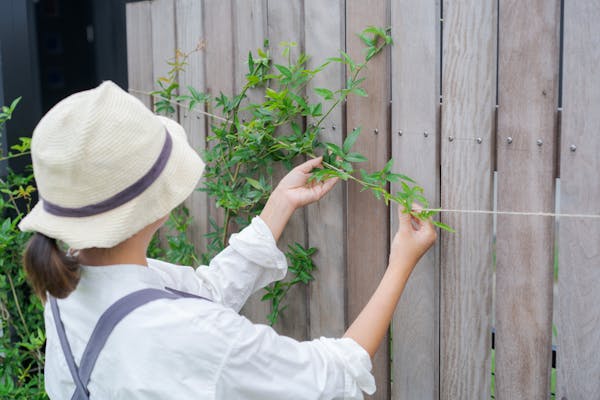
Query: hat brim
(176,182)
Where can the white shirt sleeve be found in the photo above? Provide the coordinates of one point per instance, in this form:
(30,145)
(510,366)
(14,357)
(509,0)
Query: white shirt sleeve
(263,365)
(251,262)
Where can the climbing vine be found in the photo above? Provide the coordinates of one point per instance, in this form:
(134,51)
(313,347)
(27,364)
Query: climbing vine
(250,140)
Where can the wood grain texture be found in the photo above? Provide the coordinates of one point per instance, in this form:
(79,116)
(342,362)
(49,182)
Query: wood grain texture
(163,38)
(190,34)
(139,50)
(415,110)
(468,93)
(218,34)
(163,51)
(578,314)
(528,90)
(368,218)
(250,30)
(324,37)
(285,24)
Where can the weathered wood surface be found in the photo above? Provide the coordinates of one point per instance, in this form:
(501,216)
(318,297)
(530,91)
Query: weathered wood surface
(415,110)
(528,97)
(578,325)
(139,50)
(218,36)
(286,24)
(448,296)
(325,219)
(368,218)
(190,33)
(250,22)
(162,20)
(163,38)
(468,103)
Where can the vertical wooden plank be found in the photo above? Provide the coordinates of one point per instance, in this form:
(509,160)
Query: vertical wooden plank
(324,37)
(415,110)
(285,24)
(578,322)
(218,29)
(163,37)
(163,51)
(188,14)
(250,22)
(368,218)
(218,33)
(250,25)
(527,98)
(468,98)
(139,50)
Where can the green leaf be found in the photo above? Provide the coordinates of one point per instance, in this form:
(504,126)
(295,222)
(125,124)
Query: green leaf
(250,63)
(355,157)
(388,166)
(284,70)
(335,149)
(325,93)
(13,105)
(443,226)
(255,184)
(351,139)
(360,92)
(317,110)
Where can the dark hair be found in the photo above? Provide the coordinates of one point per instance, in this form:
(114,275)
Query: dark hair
(49,269)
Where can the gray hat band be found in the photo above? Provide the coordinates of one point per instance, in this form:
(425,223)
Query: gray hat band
(127,194)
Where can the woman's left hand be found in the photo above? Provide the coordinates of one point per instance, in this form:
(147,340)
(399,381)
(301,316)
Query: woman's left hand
(296,189)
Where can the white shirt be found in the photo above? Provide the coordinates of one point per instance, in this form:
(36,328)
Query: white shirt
(197,349)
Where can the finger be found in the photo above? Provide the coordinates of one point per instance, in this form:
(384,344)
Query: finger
(328,185)
(417,208)
(404,218)
(309,165)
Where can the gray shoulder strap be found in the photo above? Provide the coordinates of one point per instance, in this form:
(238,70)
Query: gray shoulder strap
(66,347)
(107,322)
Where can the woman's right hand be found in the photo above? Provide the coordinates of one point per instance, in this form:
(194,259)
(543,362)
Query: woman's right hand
(413,238)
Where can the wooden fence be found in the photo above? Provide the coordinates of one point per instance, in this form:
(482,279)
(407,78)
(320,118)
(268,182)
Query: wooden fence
(470,87)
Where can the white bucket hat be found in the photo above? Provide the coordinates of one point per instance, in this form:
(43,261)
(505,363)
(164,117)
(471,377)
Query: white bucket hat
(106,167)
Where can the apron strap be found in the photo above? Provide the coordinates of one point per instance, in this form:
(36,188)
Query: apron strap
(107,322)
(66,347)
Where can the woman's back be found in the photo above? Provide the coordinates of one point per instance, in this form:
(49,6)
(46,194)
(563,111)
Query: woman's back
(164,349)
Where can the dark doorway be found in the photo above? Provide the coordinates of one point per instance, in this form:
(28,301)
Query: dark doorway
(65,35)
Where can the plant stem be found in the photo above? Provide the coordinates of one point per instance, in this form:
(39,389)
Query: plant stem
(10,156)
(11,199)
(18,306)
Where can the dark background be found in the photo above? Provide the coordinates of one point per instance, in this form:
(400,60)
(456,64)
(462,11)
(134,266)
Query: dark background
(50,49)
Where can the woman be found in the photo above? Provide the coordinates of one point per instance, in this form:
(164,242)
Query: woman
(121,326)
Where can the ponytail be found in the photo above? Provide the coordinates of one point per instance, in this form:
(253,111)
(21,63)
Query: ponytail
(49,269)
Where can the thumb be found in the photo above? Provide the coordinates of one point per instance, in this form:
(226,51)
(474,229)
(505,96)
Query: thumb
(404,217)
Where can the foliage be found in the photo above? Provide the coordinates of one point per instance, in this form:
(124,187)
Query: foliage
(253,141)
(21,335)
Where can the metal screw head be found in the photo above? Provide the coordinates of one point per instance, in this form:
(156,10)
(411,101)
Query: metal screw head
(450,138)
(399,133)
(426,134)
(376,131)
(509,140)
(573,147)
(540,142)
(333,127)
(479,140)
